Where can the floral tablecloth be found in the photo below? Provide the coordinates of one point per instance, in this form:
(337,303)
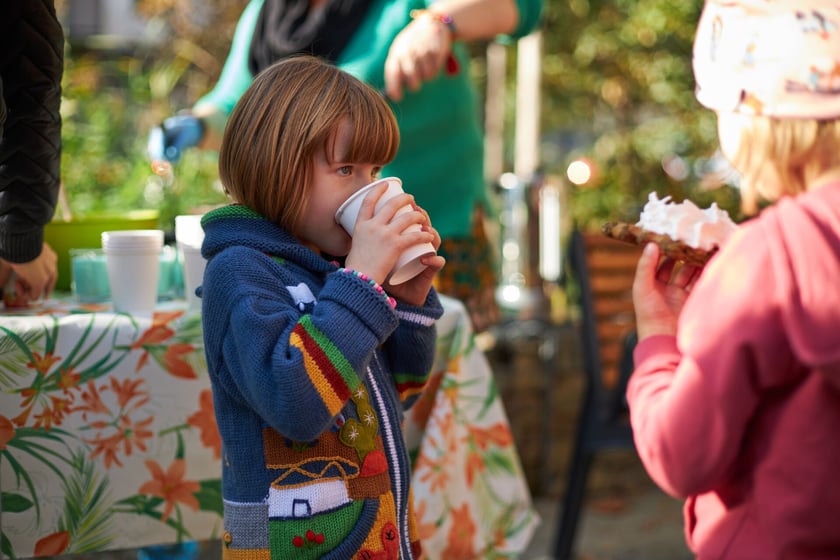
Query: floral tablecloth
(108,439)
(470,493)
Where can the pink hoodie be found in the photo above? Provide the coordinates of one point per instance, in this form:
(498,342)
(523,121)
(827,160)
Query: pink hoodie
(740,413)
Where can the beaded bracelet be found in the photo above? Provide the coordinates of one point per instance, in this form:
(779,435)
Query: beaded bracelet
(445,19)
(365,278)
(452,65)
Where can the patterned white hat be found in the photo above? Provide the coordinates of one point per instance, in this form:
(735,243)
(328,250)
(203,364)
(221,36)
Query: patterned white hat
(778,58)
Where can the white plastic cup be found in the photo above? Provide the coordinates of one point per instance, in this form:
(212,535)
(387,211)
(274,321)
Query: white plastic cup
(408,265)
(133,261)
(189,236)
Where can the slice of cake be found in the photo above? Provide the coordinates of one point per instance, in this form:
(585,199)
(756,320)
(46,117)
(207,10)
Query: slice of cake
(683,231)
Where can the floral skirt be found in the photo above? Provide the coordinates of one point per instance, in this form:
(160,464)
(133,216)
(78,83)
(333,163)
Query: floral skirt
(471,274)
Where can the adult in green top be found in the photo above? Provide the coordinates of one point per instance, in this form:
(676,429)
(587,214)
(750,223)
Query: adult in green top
(415,54)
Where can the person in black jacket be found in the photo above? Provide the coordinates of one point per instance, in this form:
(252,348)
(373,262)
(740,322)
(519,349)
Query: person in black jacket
(31,67)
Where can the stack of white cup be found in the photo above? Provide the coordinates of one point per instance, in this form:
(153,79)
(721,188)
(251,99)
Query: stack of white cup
(189,236)
(133,261)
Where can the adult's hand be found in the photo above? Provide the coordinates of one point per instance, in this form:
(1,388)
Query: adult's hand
(174,135)
(418,54)
(659,292)
(36,278)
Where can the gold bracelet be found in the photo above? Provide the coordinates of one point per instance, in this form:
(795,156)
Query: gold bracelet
(445,19)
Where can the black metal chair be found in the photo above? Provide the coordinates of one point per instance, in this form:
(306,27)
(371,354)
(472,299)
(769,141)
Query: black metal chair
(604,270)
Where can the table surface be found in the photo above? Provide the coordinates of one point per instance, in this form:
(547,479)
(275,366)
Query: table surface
(108,438)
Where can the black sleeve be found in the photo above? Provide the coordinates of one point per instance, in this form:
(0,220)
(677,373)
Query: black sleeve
(31,67)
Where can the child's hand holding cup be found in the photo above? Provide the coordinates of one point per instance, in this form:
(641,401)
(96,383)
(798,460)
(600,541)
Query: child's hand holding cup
(408,265)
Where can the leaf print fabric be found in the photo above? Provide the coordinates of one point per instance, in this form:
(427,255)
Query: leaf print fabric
(470,493)
(117,411)
(115,414)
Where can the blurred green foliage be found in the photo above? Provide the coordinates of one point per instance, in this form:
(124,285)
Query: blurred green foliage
(114,94)
(107,113)
(617,90)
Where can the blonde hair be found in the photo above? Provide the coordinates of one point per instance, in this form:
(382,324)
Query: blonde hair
(291,110)
(778,157)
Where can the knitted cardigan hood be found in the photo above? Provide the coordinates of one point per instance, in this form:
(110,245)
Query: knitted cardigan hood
(311,369)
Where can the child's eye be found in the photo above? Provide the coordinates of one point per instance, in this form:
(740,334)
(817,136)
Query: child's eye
(345,170)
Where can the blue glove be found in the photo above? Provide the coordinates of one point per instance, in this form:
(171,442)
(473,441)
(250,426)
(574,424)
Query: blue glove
(173,136)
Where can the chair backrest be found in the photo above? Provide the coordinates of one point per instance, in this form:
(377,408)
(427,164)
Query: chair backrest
(605,269)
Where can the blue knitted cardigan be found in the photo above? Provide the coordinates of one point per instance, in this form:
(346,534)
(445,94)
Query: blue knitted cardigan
(311,370)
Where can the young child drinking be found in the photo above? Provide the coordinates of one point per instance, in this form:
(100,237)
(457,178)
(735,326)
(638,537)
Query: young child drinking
(735,400)
(312,362)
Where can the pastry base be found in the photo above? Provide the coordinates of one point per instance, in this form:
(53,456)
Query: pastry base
(678,250)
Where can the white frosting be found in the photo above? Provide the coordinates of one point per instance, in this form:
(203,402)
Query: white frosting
(701,229)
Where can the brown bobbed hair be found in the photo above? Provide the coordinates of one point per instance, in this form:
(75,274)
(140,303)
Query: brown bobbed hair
(291,110)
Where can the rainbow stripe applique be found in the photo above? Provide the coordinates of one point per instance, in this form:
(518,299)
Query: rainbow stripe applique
(330,373)
(409,384)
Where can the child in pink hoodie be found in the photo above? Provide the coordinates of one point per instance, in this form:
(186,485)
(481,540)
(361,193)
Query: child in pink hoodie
(735,400)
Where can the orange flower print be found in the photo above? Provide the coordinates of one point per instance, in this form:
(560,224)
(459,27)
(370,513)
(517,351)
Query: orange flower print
(91,402)
(497,434)
(205,420)
(53,544)
(27,405)
(450,391)
(461,535)
(446,421)
(433,470)
(36,393)
(156,334)
(108,448)
(134,434)
(174,363)
(165,317)
(129,435)
(42,364)
(7,431)
(68,379)
(53,415)
(475,465)
(424,530)
(127,390)
(499,538)
(170,486)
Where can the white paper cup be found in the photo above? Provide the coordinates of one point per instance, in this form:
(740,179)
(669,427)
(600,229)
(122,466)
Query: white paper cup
(133,261)
(132,239)
(408,265)
(189,236)
(188,230)
(193,264)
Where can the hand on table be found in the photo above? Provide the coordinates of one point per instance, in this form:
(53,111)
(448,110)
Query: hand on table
(35,279)
(659,292)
